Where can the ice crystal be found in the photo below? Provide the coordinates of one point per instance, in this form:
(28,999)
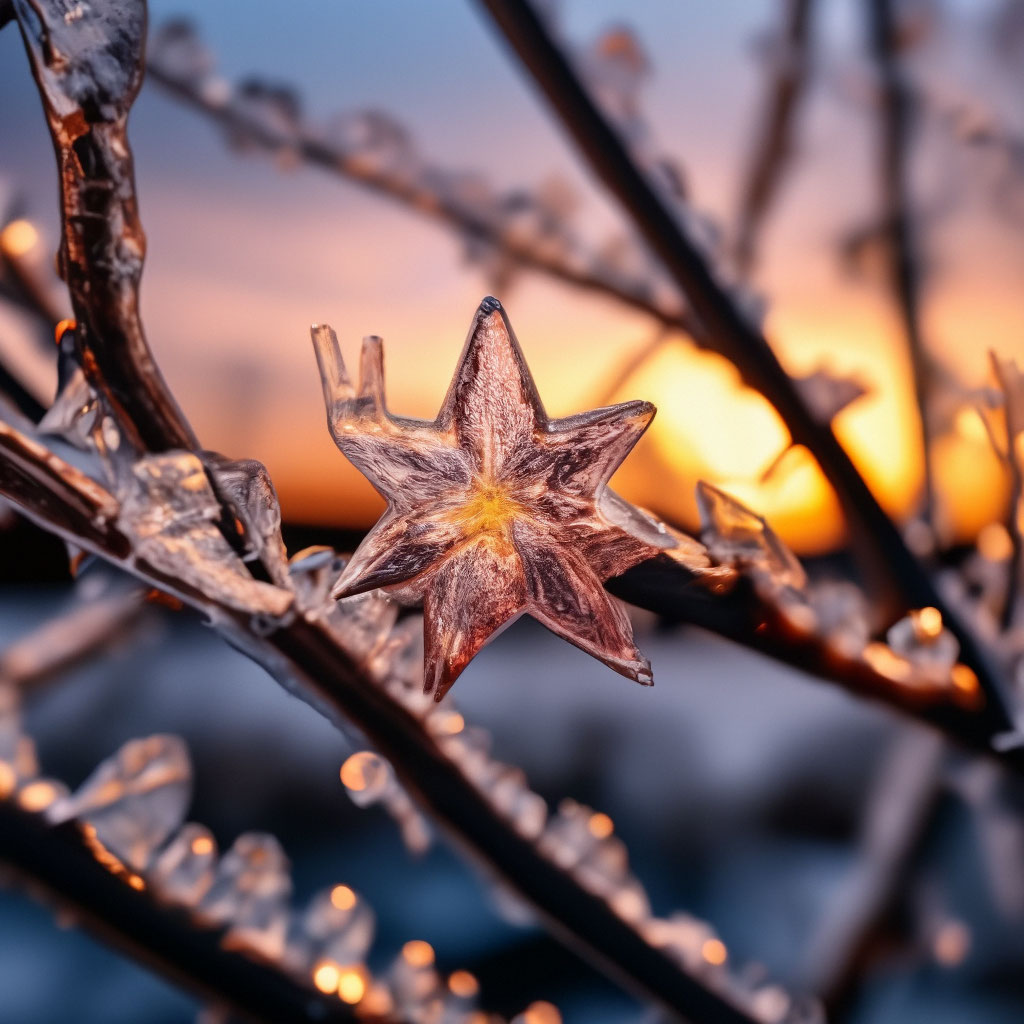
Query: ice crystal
(739,537)
(171,513)
(184,869)
(250,894)
(135,799)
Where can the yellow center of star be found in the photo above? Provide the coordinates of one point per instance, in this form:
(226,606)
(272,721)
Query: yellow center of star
(489,508)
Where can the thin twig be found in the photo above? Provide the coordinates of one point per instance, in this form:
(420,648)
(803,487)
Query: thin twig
(1015,567)
(56,863)
(415,194)
(734,335)
(897,815)
(896,114)
(790,58)
(73,637)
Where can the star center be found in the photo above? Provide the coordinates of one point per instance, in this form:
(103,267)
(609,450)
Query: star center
(489,509)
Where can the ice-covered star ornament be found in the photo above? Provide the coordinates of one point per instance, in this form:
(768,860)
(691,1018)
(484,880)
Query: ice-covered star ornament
(494,510)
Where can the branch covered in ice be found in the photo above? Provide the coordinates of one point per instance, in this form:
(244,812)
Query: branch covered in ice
(88,69)
(723,318)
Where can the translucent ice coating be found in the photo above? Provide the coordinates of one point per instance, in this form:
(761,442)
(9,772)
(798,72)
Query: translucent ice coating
(169,510)
(135,799)
(494,510)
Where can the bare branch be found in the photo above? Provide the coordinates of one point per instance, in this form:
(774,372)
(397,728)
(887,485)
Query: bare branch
(896,114)
(85,629)
(789,58)
(900,807)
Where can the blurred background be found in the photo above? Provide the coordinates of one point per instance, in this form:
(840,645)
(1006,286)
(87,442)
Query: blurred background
(741,789)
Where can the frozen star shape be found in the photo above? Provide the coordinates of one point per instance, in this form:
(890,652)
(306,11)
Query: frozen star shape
(494,510)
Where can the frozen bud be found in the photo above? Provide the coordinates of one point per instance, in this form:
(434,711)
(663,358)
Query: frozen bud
(337,926)
(770,1004)
(40,794)
(828,394)
(184,870)
(363,623)
(924,641)
(539,1012)
(399,661)
(567,836)
(367,778)
(134,799)
(273,110)
(376,141)
(616,68)
(250,894)
(311,572)
(414,980)
(176,51)
(511,796)
(736,536)
(690,941)
(842,615)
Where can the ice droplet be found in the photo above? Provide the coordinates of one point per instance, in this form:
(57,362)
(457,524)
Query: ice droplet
(739,537)
(18,764)
(250,894)
(923,640)
(176,50)
(134,799)
(337,926)
(183,871)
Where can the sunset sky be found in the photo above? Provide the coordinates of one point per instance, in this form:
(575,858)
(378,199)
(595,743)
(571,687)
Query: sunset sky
(243,256)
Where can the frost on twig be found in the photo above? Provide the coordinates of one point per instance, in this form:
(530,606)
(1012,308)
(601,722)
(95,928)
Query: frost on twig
(494,510)
(502,231)
(919,659)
